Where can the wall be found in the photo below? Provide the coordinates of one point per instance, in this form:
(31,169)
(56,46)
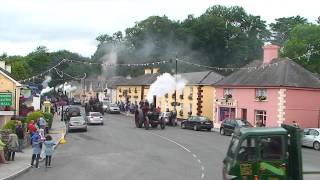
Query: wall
(208,104)
(303,106)
(245,98)
(134,96)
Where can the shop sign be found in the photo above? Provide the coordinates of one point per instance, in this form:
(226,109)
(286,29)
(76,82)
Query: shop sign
(5,99)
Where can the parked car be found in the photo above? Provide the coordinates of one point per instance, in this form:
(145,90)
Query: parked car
(105,105)
(113,108)
(311,138)
(197,123)
(94,118)
(228,125)
(77,123)
(169,118)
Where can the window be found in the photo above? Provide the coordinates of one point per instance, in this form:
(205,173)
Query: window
(227,91)
(313,132)
(191,90)
(247,150)
(260,118)
(190,107)
(261,93)
(271,148)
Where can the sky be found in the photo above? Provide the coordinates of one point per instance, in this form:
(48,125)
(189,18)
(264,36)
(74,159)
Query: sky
(74,24)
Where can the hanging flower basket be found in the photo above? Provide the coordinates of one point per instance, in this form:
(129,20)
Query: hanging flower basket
(166,95)
(190,97)
(189,113)
(181,96)
(181,112)
(261,98)
(228,96)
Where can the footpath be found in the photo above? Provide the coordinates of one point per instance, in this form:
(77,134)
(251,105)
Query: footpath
(22,161)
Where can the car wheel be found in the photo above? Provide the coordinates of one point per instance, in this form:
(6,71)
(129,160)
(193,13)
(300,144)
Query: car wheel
(222,131)
(183,126)
(85,130)
(316,146)
(195,127)
(209,129)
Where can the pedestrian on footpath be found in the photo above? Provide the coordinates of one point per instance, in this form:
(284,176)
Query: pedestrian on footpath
(13,145)
(2,158)
(49,150)
(20,134)
(42,123)
(31,129)
(35,149)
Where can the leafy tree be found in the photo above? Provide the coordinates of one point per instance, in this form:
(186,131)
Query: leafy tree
(282,28)
(39,60)
(303,46)
(20,70)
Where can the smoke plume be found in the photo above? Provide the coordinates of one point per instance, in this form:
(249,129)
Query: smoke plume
(165,83)
(46,88)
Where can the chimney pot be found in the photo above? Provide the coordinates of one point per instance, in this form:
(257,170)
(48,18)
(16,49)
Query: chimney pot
(270,52)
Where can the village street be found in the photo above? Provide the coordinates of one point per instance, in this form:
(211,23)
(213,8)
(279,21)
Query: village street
(118,150)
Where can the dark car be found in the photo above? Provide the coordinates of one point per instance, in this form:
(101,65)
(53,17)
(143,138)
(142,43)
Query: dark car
(197,123)
(228,125)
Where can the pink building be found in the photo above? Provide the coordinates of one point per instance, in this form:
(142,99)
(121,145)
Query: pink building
(270,92)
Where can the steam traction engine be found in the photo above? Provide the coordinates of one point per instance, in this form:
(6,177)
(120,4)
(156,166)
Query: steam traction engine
(146,115)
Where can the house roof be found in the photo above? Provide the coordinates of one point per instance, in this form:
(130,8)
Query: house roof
(202,77)
(280,72)
(146,79)
(113,81)
(8,75)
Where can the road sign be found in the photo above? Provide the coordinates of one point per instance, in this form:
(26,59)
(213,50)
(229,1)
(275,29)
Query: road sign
(5,99)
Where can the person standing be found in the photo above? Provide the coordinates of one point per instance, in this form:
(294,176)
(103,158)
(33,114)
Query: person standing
(20,134)
(13,145)
(35,149)
(2,158)
(49,150)
(42,123)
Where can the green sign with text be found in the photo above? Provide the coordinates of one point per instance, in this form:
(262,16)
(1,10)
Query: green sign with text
(5,99)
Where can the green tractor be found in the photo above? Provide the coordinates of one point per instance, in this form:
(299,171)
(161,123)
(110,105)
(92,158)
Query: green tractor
(264,154)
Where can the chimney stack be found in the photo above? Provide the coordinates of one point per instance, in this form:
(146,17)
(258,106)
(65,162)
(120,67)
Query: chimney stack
(270,52)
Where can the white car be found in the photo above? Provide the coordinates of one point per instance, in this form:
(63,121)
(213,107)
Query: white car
(76,123)
(311,138)
(94,118)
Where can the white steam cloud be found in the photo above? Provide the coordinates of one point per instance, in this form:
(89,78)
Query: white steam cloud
(69,88)
(165,83)
(46,88)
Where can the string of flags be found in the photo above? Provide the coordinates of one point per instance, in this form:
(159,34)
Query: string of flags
(122,65)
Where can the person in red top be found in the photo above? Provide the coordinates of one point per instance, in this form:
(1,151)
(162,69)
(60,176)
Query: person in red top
(31,128)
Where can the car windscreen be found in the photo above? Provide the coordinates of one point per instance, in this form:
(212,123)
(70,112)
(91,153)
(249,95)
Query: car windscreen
(243,123)
(113,105)
(202,119)
(95,114)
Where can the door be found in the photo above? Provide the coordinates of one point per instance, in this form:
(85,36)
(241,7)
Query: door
(244,114)
(188,122)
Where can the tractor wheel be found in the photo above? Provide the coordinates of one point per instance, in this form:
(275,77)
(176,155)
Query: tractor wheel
(138,119)
(316,146)
(146,123)
(195,127)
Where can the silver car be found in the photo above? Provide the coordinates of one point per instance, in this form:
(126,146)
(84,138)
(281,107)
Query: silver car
(113,108)
(311,138)
(77,123)
(95,118)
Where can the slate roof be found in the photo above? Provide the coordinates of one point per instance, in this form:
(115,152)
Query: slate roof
(202,77)
(146,79)
(113,81)
(280,72)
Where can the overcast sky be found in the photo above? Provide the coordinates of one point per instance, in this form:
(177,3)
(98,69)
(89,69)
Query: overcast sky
(74,24)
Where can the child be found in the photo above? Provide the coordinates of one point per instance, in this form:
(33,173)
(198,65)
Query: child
(49,150)
(36,150)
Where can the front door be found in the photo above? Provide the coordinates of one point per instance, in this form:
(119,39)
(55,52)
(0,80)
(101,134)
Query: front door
(244,114)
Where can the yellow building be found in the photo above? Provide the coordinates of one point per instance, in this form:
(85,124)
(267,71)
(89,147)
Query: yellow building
(197,98)
(136,89)
(9,94)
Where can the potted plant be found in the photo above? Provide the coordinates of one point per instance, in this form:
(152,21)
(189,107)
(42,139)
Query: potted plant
(261,98)
(190,97)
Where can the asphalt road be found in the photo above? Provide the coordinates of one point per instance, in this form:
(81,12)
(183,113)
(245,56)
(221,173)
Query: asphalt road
(119,151)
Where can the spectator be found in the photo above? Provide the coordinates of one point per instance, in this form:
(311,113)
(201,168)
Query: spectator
(49,150)
(2,159)
(42,123)
(13,145)
(20,134)
(36,150)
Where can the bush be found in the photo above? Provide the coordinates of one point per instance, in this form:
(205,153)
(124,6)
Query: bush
(49,118)
(33,116)
(10,125)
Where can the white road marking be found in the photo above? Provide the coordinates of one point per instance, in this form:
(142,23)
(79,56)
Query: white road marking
(186,149)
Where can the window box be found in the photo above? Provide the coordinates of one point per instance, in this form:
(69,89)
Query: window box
(228,96)
(181,112)
(190,97)
(181,96)
(261,98)
(136,97)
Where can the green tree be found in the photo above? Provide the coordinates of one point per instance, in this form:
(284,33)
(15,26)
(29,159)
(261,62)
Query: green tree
(303,46)
(282,28)
(39,60)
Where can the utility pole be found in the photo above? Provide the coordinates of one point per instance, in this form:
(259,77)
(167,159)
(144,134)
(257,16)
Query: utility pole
(175,89)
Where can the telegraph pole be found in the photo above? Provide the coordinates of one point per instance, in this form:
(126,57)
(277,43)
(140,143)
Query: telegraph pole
(175,89)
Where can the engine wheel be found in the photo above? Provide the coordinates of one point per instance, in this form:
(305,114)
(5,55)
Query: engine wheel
(162,124)
(316,146)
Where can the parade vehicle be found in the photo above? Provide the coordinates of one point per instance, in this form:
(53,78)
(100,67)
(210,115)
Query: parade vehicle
(170,117)
(94,105)
(147,115)
(265,153)
(71,111)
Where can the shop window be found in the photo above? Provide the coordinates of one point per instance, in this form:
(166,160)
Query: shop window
(260,118)
(271,148)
